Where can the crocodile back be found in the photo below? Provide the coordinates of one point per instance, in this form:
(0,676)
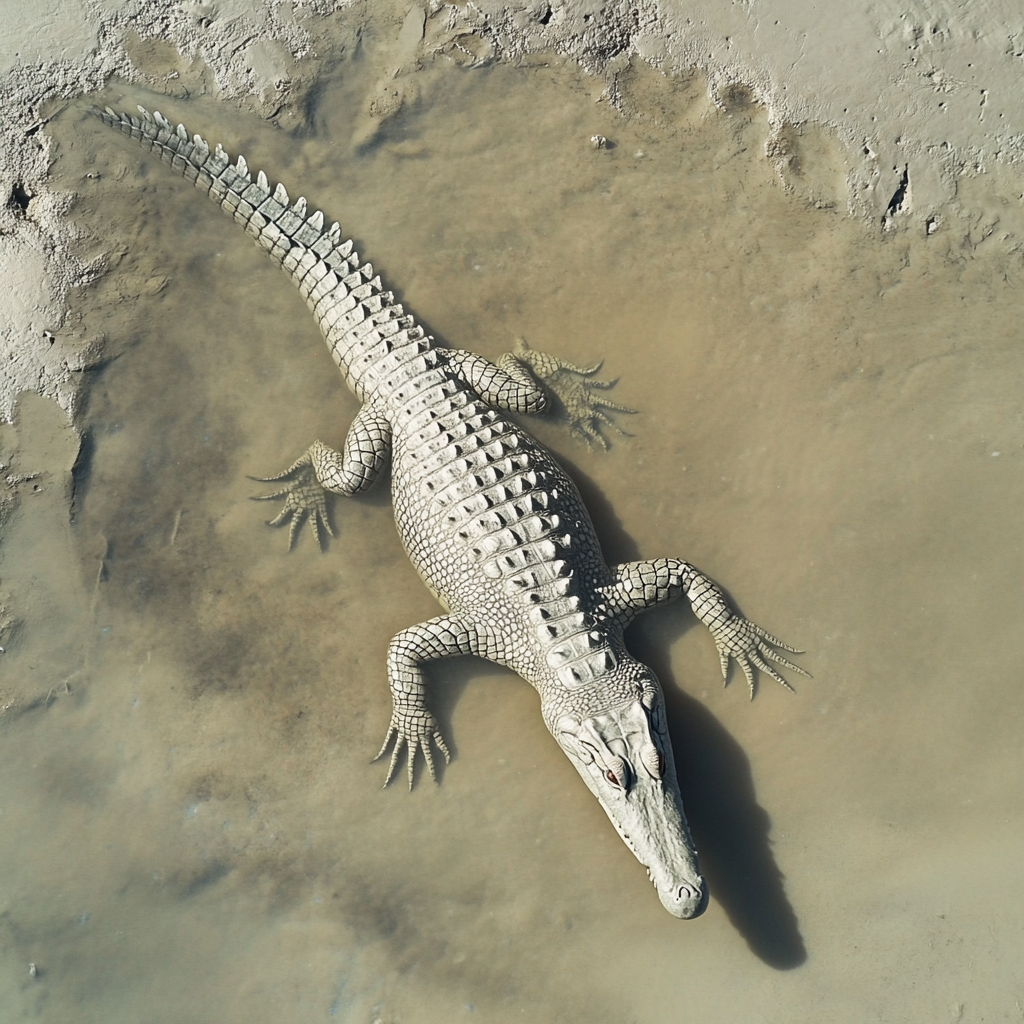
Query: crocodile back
(491,522)
(498,530)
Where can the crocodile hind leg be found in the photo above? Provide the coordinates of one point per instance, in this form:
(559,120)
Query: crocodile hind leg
(509,385)
(574,387)
(412,724)
(639,586)
(523,381)
(320,469)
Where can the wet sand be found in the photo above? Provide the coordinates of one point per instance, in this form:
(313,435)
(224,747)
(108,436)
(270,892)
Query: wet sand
(829,424)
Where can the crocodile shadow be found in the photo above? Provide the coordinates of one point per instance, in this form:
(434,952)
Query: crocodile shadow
(730,829)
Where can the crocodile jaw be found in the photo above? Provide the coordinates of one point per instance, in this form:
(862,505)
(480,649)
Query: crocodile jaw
(650,820)
(644,805)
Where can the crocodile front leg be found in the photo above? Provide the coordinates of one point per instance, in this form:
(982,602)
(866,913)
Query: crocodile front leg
(642,585)
(412,724)
(320,469)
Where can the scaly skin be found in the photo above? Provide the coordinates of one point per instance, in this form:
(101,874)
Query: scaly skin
(491,522)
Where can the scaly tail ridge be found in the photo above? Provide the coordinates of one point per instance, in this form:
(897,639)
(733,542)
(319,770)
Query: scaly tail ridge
(361,322)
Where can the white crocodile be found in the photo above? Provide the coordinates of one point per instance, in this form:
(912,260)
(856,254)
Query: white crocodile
(494,526)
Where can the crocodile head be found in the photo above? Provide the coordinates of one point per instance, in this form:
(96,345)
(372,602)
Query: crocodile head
(625,757)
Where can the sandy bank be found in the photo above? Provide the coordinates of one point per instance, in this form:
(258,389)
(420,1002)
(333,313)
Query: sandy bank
(926,112)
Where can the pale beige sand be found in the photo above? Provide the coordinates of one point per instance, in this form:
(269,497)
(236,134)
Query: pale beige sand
(830,425)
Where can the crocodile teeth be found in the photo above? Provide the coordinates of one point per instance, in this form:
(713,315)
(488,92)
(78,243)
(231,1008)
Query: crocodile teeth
(261,180)
(280,194)
(299,209)
(182,134)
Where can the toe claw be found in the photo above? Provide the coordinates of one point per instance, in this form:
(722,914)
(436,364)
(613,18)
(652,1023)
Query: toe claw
(439,740)
(281,516)
(776,642)
(429,758)
(767,652)
(384,746)
(748,672)
(298,518)
(764,667)
(268,497)
(399,743)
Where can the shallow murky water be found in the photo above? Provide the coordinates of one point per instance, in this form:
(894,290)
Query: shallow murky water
(830,425)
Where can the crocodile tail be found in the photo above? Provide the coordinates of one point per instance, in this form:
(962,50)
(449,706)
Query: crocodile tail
(357,317)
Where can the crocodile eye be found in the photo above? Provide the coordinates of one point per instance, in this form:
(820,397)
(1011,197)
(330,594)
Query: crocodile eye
(612,778)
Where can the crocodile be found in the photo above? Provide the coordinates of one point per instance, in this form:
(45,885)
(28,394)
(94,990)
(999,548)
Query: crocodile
(492,523)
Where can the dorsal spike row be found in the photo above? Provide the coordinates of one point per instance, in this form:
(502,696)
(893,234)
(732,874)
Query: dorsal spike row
(261,180)
(241,166)
(299,209)
(335,232)
(143,111)
(317,220)
(162,121)
(219,151)
(182,134)
(281,194)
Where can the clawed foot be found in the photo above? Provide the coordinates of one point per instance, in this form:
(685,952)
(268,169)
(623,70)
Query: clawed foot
(740,639)
(304,497)
(574,388)
(415,732)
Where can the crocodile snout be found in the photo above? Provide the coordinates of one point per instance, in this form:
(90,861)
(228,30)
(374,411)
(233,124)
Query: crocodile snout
(685,901)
